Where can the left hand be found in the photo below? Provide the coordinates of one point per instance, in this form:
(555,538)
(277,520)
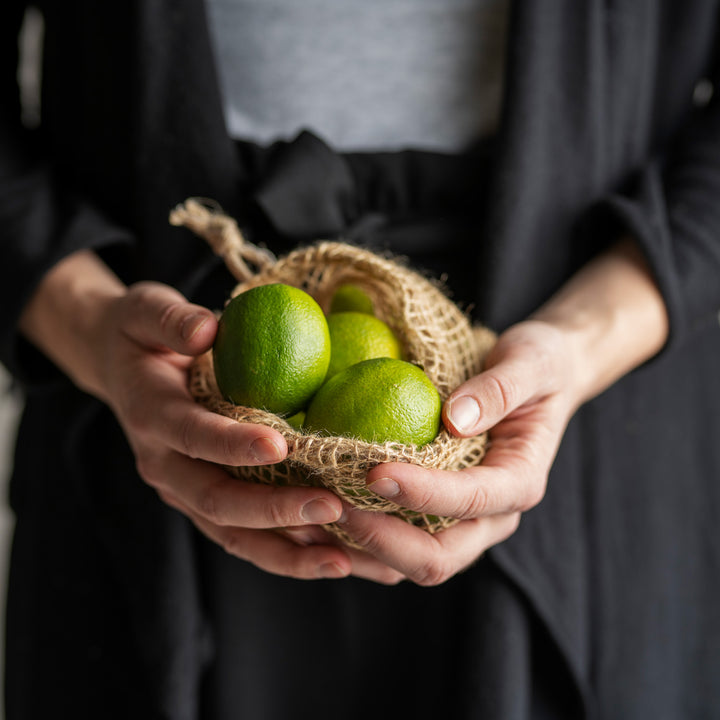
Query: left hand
(605,321)
(525,398)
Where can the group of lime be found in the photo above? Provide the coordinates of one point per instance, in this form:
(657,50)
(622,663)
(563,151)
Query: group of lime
(339,374)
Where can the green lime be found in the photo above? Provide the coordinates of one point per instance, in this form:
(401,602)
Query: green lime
(355,337)
(379,400)
(272,349)
(297,420)
(351,298)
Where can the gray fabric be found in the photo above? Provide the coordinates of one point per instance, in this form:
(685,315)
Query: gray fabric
(362,74)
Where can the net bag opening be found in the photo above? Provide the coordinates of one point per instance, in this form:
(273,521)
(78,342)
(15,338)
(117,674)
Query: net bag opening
(433,332)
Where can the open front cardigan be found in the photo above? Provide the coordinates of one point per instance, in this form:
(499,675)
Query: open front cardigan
(604,604)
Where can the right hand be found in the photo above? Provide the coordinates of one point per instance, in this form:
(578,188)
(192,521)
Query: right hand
(150,335)
(132,348)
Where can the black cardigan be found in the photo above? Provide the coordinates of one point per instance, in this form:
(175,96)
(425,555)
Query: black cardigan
(603,604)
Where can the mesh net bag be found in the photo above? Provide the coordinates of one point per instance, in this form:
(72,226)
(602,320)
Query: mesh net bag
(433,332)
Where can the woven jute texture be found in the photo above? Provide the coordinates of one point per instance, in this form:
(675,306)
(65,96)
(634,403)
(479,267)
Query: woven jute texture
(433,332)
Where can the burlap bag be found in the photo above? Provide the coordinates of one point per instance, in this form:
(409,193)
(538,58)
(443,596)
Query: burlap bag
(432,331)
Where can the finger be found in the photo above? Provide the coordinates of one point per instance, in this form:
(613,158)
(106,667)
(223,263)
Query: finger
(170,416)
(484,400)
(363,565)
(512,477)
(209,492)
(466,494)
(307,535)
(156,315)
(192,430)
(369,568)
(423,558)
(518,373)
(272,552)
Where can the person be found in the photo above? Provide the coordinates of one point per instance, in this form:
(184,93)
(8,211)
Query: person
(585,228)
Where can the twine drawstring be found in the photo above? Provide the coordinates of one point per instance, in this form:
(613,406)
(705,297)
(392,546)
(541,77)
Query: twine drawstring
(207,219)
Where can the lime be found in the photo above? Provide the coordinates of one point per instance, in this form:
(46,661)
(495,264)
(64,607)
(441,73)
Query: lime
(355,337)
(272,348)
(297,420)
(351,298)
(378,400)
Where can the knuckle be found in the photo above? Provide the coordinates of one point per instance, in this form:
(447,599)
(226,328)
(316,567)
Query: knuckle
(168,498)
(209,507)
(232,543)
(388,576)
(504,391)
(507,528)
(475,504)
(136,298)
(226,448)
(513,523)
(160,306)
(170,318)
(430,574)
(275,513)
(150,470)
(531,485)
(186,436)
(533,495)
(297,566)
(275,516)
(423,501)
(368,539)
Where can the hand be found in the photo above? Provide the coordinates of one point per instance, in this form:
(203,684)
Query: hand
(525,398)
(605,321)
(132,347)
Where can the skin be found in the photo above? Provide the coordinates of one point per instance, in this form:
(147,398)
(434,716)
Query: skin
(131,348)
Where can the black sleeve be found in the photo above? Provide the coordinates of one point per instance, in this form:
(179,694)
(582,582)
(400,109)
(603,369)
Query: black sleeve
(672,208)
(41,221)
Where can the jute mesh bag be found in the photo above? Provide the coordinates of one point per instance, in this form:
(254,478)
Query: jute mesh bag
(433,332)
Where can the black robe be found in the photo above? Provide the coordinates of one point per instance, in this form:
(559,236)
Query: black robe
(604,604)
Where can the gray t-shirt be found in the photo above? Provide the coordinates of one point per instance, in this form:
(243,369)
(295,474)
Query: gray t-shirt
(361,74)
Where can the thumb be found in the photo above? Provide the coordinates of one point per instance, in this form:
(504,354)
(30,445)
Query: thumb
(158,316)
(515,377)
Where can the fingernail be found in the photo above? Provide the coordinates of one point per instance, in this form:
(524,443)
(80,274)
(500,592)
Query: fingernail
(265,451)
(330,570)
(191,324)
(386,487)
(318,511)
(463,413)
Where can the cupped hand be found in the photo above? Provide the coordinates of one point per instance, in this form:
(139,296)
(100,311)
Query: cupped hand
(150,335)
(524,398)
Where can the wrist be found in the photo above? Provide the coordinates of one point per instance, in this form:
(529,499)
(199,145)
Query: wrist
(67,317)
(581,336)
(613,316)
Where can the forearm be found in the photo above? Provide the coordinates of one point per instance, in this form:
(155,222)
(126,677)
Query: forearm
(614,316)
(64,317)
